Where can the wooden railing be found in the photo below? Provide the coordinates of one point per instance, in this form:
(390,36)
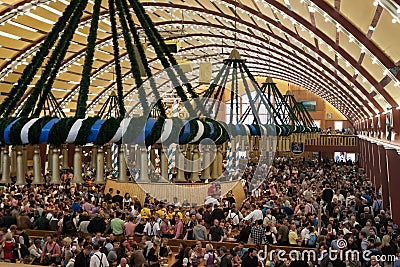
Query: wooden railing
(333,140)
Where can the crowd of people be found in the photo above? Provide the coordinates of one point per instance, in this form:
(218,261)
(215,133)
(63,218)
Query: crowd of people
(304,204)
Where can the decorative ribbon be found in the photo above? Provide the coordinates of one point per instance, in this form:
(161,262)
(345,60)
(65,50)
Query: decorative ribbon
(73,132)
(7,131)
(25,131)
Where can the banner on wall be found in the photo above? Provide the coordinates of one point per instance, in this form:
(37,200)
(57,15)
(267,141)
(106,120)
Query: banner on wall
(297,148)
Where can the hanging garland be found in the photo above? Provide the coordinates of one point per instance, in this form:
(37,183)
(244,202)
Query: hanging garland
(116,58)
(16,93)
(58,133)
(177,125)
(84,130)
(88,64)
(36,129)
(155,132)
(188,132)
(15,131)
(107,131)
(4,122)
(133,130)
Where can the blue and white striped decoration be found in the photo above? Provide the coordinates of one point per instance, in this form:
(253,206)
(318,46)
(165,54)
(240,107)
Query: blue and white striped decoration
(175,108)
(171,157)
(230,160)
(114,153)
(237,141)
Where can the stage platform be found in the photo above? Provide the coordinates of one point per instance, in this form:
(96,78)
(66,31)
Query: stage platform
(193,192)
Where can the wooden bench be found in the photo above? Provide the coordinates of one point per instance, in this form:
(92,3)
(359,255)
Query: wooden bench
(39,233)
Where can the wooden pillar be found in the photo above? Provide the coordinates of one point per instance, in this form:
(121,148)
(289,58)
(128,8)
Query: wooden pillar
(384,174)
(180,165)
(195,164)
(55,167)
(13,159)
(219,161)
(6,166)
(144,167)
(50,158)
(108,157)
(122,166)
(37,166)
(100,166)
(64,152)
(20,168)
(164,163)
(71,153)
(206,174)
(94,157)
(382,117)
(393,170)
(25,158)
(78,165)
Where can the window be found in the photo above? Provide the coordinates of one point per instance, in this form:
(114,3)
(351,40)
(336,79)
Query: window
(338,125)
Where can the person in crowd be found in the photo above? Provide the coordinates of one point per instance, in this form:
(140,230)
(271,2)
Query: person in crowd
(98,258)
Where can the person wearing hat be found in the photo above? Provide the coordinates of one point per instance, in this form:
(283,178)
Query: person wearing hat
(225,258)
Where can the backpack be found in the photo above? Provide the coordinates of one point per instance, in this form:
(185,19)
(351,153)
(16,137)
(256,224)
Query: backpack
(69,226)
(312,240)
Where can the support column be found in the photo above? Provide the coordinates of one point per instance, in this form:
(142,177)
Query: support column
(55,170)
(13,159)
(37,166)
(375,166)
(20,169)
(64,151)
(205,174)
(6,166)
(78,165)
(195,164)
(144,167)
(100,166)
(122,165)
(219,161)
(25,158)
(383,172)
(393,166)
(50,158)
(180,165)
(164,163)
(108,157)
(94,157)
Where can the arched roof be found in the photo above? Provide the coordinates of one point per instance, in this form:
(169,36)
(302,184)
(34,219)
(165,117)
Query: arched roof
(344,51)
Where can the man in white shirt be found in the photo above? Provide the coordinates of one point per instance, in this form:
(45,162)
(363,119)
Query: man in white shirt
(255,215)
(152,228)
(98,259)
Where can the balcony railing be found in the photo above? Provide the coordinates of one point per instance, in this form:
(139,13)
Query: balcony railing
(333,140)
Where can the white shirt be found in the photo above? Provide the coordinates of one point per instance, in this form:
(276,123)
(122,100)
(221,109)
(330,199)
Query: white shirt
(151,229)
(95,260)
(255,215)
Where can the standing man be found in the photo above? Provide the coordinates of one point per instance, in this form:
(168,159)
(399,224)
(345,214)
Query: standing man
(118,226)
(226,261)
(216,232)
(98,259)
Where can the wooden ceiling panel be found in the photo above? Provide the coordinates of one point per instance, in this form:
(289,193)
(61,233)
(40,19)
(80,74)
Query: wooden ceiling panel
(359,12)
(384,36)
(393,91)
(327,28)
(351,47)
(301,9)
(34,23)
(373,69)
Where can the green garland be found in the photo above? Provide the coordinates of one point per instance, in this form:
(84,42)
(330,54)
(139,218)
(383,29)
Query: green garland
(132,58)
(232,130)
(87,66)
(217,129)
(54,64)
(36,130)
(59,133)
(258,129)
(207,131)
(4,122)
(143,58)
(84,130)
(155,132)
(16,93)
(152,33)
(107,131)
(15,131)
(116,58)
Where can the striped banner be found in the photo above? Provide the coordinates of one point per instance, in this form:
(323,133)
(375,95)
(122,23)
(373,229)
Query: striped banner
(237,153)
(114,160)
